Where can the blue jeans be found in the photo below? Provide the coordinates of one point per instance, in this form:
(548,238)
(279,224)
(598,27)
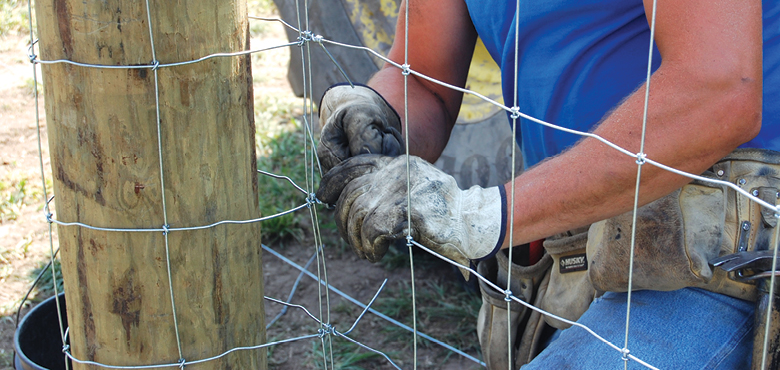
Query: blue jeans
(685,329)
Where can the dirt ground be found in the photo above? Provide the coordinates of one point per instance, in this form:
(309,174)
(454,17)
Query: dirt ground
(24,238)
(24,241)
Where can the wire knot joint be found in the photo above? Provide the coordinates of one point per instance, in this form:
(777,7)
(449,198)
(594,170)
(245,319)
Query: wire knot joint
(508,295)
(625,353)
(515,112)
(328,329)
(405,70)
(31,52)
(311,200)
(165,229)
(307,36)
(641,158)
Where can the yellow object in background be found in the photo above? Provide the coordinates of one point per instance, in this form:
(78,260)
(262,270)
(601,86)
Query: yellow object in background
(375,22)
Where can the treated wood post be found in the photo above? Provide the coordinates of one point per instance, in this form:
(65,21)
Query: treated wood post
(105,160)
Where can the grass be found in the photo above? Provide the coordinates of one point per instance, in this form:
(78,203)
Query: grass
(30,86)
(280,147)
(261,7)
(18,191)
(398,257)
(6,358)
(14,17)
(45,286)
(444,310)
(346,356)
(7,254)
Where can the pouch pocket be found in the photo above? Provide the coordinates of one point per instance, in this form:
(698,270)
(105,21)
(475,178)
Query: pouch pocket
(492,320)
(569,292)
(675,238)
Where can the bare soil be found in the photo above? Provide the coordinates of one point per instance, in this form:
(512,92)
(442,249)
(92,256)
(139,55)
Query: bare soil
(24,241)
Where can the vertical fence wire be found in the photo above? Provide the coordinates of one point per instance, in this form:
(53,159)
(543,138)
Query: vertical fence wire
(162,180)
(311,162)
(407,123)
(52,253)
(511,204)
(640,162)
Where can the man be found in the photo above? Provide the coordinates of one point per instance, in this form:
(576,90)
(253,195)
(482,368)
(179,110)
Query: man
(580,65)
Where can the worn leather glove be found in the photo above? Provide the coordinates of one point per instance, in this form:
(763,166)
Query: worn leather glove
(356,120)
(370,196)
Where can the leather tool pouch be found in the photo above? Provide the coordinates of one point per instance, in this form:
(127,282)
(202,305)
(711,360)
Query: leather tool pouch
(492,320)
(677,235)
(569,292)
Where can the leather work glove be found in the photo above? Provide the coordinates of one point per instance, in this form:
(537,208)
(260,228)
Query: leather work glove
(356,120)
(370,196)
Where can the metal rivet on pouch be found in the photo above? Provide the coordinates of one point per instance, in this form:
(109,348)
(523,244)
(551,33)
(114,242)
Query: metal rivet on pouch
(755,193)
(720,173)
(742,181)
(745,225)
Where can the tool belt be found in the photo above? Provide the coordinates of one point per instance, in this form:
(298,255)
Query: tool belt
(679,234)
(529,283)
(676,238)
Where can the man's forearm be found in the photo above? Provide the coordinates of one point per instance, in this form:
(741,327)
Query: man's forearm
(430,121)
(691,124)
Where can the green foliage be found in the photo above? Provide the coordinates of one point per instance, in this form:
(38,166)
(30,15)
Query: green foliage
(281,145)
(6,358)
(45,287)
(15,193)
(14,17)
(258,28)
(394,259)
(330,235)
(444,310)
(346,308)
(261,8)
(31,86)
(346,355)
(398,257)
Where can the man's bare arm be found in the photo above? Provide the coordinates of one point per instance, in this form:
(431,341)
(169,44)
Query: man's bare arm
(441,44)
(705,100)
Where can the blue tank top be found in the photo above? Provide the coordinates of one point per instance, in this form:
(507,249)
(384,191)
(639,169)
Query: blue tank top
(578,59)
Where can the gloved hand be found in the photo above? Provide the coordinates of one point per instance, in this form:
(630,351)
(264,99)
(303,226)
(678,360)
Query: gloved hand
(356,121)
(370,196)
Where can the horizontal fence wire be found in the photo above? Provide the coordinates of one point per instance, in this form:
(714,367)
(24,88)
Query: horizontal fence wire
(373,311)
(306,39)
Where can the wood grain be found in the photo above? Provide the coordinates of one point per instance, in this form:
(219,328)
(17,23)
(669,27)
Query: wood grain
(105,161)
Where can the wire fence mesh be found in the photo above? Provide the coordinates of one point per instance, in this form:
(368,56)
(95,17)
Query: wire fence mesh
(321,315)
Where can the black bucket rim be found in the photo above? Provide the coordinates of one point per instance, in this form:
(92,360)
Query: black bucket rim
(20,357)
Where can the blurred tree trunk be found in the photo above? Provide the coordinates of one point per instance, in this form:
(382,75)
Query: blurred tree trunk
(105,161)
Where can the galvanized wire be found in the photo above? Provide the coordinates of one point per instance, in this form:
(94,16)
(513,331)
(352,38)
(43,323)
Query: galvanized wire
(305,39)
(373,311)
(639,162)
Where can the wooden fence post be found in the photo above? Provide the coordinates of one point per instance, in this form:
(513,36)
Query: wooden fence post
(103,140)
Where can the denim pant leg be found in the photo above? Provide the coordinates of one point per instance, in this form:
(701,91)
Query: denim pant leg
(685,329)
